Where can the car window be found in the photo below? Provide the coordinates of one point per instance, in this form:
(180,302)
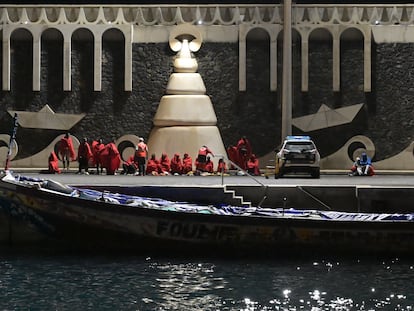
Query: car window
(299,146)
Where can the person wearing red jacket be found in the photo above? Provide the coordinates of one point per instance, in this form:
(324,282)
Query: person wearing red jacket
(233,156)
(253,165)
(141,155)
(97,147)
(187,164)
(209,167)
(84,155)
(66,150)
(221,167)
(111,158)
(176,165)
(202,154)
(53,163)
(129,166)
(165,164)
(244,150)
(153,166)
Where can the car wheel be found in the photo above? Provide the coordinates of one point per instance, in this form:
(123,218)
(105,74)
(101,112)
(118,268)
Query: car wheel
(316,173)
(279,174)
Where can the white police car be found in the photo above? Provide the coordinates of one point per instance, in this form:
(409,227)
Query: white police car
(298,154)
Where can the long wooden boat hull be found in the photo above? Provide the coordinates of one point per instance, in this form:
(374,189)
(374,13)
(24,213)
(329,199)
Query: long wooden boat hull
(90,224)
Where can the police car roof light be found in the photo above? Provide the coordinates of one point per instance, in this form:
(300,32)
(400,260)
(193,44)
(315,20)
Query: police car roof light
(296,137)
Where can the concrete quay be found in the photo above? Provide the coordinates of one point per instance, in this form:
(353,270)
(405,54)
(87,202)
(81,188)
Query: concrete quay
(382,193)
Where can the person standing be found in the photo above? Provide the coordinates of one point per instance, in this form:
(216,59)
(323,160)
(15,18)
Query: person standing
(141,156)
(84,155)
(66,150)
(111,158)
(97,147)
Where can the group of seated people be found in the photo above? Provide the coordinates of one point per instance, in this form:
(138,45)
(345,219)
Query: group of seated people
(175,166)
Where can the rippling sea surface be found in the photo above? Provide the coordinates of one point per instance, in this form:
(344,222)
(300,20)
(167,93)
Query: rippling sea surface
(84,282)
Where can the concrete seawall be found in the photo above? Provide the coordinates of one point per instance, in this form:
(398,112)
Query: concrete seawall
(368,199)
(383,193)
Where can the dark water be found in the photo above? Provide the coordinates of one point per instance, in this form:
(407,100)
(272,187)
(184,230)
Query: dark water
(75,282)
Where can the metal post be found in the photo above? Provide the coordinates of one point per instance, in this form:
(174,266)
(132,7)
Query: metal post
(287,70)
(12,142)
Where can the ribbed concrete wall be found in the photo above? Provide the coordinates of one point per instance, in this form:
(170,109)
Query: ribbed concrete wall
(122,97)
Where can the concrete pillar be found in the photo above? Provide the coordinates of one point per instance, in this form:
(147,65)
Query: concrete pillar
(336,70)
(367,62)
(287,70)
(273,62)
(128,61)
(36,61)
(97,68)
(242,63)
(6,62)
(67,62)
(305,64)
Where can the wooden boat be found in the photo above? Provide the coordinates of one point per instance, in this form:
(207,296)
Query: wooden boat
(88,219)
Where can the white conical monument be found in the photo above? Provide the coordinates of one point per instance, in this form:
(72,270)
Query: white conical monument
(185,119)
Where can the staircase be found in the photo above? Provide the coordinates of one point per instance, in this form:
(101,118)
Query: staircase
(236,200)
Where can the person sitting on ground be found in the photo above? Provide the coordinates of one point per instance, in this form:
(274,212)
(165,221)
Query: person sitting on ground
(176,165)
(356,168)
(244,150)
(253,165)
(202,157)
(367,165)
(53,164)
(165,164)
(221,167)
(362,166)
(187,164)
(153,166)
(209,167)
(129,167)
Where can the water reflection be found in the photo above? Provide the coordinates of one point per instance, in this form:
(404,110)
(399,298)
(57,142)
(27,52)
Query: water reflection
(99,283)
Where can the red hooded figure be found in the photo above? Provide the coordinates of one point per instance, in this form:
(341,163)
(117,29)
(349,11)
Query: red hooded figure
(53,163)
(153,166)
(209,166)
(176,165)
(233,156)
(221,167)
(111,159)
(253,166)
(165,164)
(187,164)
(97,147)
(244,150)
(66,150)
